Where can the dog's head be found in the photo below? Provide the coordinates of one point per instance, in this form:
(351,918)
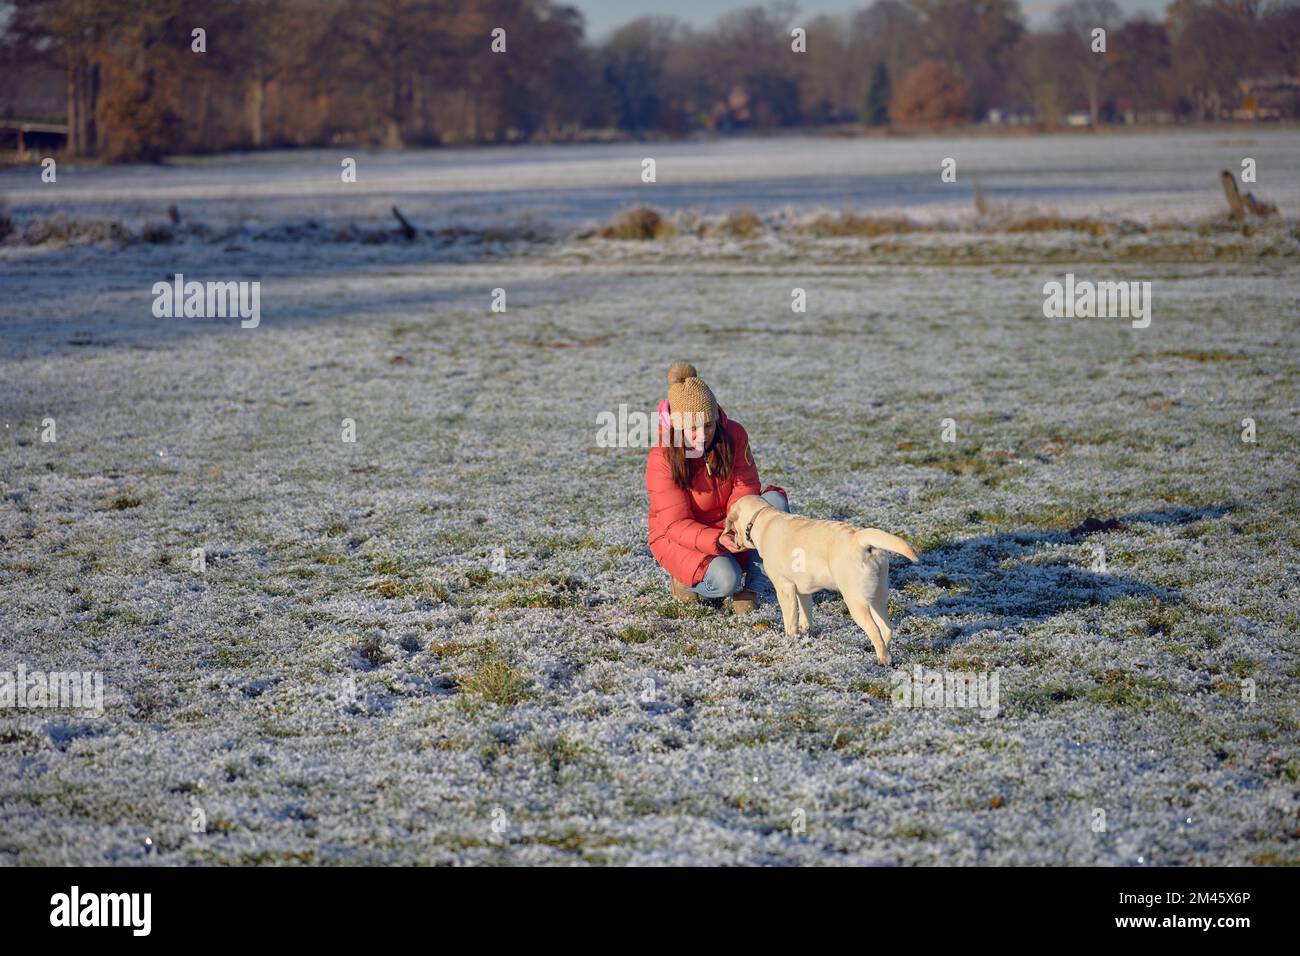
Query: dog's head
(740,516)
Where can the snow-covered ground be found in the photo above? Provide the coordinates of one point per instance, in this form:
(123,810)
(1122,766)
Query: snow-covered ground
(1168,175)
(447,641)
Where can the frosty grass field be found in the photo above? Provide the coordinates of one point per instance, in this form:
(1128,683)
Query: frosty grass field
(448,643)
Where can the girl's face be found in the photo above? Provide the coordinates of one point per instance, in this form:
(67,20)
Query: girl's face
(699,437)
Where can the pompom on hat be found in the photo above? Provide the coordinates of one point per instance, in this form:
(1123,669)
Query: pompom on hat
(690,401)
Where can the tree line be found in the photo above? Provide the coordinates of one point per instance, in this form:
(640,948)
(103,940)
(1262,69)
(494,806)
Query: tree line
(148,77)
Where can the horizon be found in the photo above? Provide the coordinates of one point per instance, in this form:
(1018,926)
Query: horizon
(604,16)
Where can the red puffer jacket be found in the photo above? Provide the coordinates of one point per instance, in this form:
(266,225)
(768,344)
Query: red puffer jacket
(685,523)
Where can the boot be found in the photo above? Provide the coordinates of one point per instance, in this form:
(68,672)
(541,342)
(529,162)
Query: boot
(744,601)
(682,593)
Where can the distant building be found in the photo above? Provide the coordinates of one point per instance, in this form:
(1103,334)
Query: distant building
(34,92)
(33,109)
(1266,98)
(1148,117)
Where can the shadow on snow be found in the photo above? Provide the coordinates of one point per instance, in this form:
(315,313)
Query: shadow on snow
(1006,579)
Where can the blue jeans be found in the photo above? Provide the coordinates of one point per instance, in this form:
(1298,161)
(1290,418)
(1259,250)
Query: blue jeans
(722,576)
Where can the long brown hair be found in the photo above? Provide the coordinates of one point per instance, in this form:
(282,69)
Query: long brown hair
(718,457)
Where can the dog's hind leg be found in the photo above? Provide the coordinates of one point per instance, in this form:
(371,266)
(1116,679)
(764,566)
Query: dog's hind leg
(882,622)
(876,593)
(878,601)
(861,612)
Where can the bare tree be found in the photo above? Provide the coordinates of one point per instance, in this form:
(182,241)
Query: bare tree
(1214,43)
(1087,52)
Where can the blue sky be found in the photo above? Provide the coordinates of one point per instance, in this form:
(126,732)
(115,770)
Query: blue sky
(604,15)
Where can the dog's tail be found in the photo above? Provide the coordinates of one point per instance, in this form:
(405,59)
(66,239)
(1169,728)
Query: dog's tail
(885,541)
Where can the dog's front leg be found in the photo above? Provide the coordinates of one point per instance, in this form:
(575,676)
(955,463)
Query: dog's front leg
(805,612)
(788,598)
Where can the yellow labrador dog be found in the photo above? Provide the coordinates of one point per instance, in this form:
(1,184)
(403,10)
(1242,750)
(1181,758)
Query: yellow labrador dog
(803,556)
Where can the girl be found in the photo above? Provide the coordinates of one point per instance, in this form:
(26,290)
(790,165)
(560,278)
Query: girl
(701,464)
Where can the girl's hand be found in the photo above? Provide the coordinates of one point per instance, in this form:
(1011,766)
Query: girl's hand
(728,541)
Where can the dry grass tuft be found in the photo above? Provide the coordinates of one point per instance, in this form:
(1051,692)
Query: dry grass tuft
(849,224)
(639,222)
(1093,227)
(741,224)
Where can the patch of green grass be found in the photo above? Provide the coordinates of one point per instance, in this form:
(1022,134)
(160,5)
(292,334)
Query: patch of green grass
(558,543)
(392,588)
(640,806)
(481,576)
(371,649)
(1120,688)
(1191,497)
(1160,618)
(557,752)
(992,466)
(498,682)
(536,599)
(447,648)
(277,730)
(880,690)
(635,635)
(321,556)
(1032,655)
(1047,517)
(542,591)
(1243,667)
(1040,700)
(925,540)
(681,610)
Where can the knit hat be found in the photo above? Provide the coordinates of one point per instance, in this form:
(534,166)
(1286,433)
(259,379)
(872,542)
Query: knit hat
(690,401)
